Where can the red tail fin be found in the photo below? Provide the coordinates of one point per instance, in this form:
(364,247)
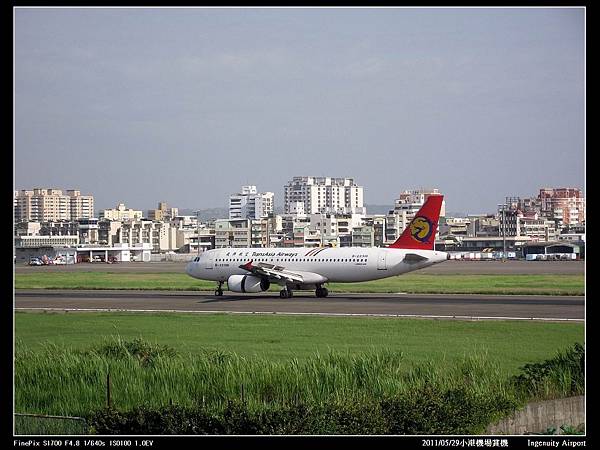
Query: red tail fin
(420,232)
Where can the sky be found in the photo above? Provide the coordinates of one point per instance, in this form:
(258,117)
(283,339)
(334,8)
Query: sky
(186,105)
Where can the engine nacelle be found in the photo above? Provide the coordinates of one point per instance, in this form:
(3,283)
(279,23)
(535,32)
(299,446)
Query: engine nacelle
(247,283)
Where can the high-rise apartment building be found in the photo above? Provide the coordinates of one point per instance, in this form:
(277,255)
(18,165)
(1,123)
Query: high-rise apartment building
(564,205)
(324,195)
(251,204)
(47,205)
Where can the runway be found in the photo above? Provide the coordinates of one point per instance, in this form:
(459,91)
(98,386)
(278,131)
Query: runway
(459,306)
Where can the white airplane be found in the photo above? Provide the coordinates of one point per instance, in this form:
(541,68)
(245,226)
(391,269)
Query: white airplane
(255,269)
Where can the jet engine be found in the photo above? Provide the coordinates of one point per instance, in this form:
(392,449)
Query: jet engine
(247,283)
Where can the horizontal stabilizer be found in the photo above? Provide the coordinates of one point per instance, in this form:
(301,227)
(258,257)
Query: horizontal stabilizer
(412,258)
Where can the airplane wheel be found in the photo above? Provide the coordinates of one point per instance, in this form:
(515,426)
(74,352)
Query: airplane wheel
(218,293)
(321,292)
(283,293)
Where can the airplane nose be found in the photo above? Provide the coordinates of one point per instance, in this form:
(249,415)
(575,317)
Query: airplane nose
(188,268)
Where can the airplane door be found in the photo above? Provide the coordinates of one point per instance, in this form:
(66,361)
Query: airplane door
(381,264)
(210,260)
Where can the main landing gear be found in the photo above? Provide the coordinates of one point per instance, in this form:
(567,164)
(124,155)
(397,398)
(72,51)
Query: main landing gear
(321,292)
(286,293)
(219,290)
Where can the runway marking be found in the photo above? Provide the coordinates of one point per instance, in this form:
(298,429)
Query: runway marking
(414,316)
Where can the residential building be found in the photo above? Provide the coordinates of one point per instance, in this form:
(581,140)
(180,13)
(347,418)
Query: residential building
(27,228)
(260,230)
(232,233)
(333,226)
(484,225)
(163,212)
(566,206)
(59,228)
(250,204)
(88,230)
(45,205)
(121,213)
(160,235)
(455,226)
(188,239)
(378,223)
(190,234)
(517,223)
(108,232)
(323,195)
(81,206)
(395,223)
(363,236)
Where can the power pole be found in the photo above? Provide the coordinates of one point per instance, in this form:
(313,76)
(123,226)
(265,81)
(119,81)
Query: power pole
(198,230)
(503,209)
(504,232)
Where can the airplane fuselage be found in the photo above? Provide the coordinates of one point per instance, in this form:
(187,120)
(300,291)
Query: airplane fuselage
(328,264)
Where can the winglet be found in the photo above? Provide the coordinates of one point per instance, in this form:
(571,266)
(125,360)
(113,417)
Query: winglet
(420,232)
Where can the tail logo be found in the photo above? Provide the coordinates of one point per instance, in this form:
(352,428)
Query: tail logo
(421,228)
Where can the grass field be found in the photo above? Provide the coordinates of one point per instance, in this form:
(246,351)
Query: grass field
(283,338)
(62,359)
(412,283)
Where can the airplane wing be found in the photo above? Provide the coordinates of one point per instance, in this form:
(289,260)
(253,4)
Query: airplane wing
(413,258)
(272,272)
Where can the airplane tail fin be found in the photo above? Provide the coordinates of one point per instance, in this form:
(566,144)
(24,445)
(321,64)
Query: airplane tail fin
(420,232)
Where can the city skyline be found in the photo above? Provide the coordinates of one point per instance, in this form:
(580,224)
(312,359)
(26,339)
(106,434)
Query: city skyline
(279,209)
(186,105)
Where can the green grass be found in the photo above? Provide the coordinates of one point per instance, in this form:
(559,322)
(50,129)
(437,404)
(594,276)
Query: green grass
(60,381)
(411,283)
(286,337)
(61,359)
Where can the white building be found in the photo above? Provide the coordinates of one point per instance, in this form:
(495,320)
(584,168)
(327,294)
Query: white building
(332,226)
(324,195)
(121,213)
(250,204)
(45,241)
(160,235)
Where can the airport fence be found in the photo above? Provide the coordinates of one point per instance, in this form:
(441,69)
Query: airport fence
(172,257)
(41,424)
